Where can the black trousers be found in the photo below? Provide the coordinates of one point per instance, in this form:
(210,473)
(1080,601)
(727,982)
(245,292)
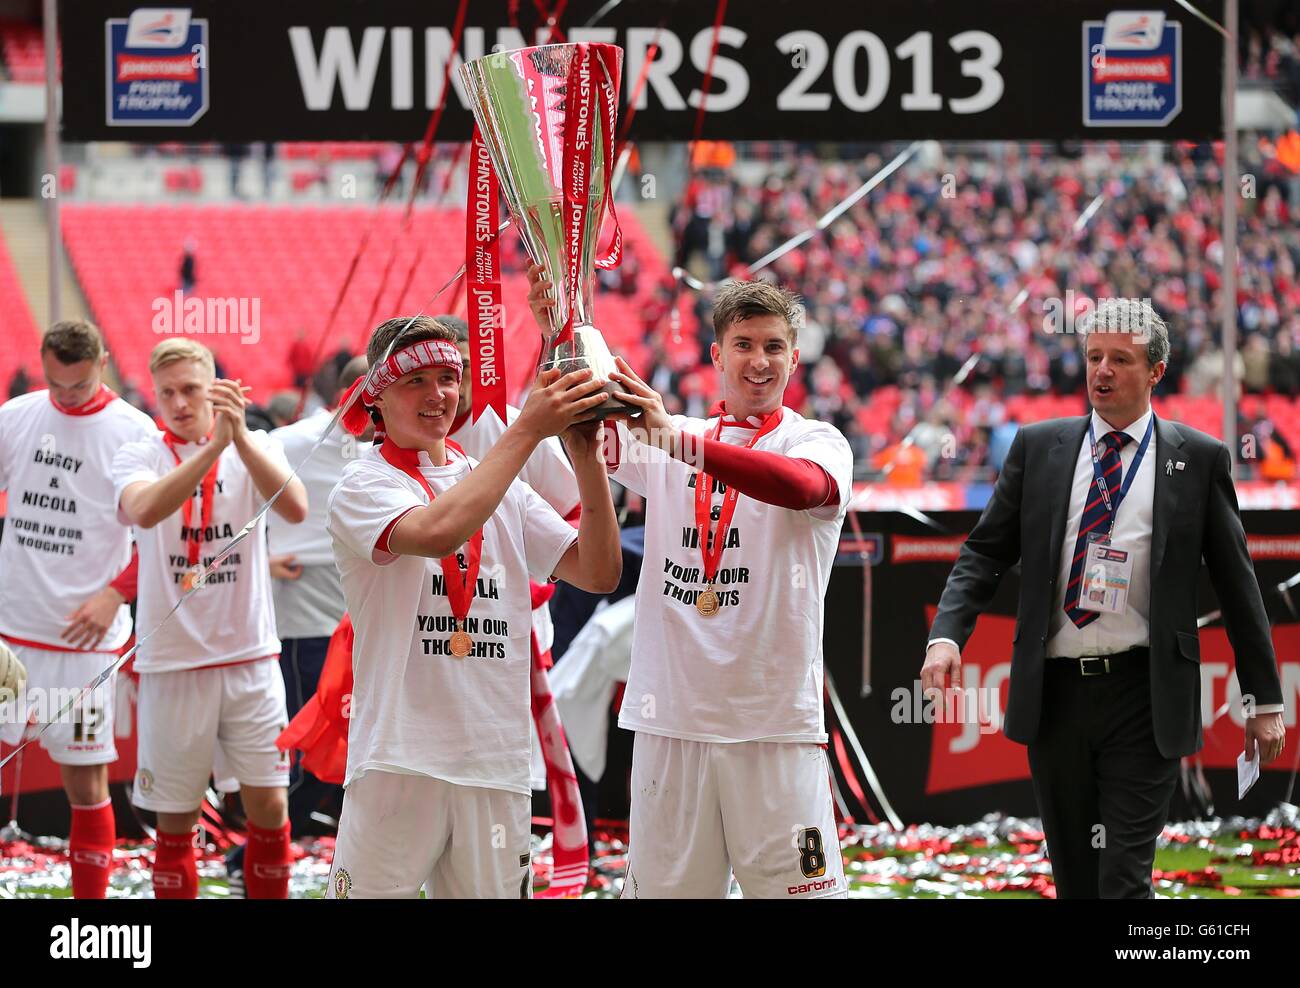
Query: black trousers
(1102,786)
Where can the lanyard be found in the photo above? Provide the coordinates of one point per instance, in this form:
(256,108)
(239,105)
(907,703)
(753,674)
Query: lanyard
(703,497)
(1102,486)
(194,536)
(459,586)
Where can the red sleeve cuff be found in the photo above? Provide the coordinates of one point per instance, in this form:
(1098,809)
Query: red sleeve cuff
(127,582)
(382,544)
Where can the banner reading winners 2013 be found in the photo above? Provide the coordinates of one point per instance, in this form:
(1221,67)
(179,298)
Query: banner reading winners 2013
(246,70)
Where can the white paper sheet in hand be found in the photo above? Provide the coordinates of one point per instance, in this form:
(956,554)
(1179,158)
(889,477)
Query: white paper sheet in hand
(1247,772)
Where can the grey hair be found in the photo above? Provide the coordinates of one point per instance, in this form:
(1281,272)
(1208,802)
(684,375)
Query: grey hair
(1127,315)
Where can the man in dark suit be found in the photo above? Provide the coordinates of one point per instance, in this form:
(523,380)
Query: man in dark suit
(1109,516)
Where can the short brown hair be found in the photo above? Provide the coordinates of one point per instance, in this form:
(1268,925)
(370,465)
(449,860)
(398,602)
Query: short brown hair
(420,328)
(741,300)
(179,348)
(352,370)
(72,341)
(458,324)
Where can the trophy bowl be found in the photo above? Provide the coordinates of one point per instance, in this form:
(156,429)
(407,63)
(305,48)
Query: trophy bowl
(521,103)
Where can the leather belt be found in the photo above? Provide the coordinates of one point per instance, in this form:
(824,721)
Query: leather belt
(1100,665)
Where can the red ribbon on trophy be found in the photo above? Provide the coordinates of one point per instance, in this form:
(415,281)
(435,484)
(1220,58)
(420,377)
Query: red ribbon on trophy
(609,84)
(542,153)
(486,314)
(580,118)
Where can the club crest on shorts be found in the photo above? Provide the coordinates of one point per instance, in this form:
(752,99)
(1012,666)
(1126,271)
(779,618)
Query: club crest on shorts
(144,780)
(342,884)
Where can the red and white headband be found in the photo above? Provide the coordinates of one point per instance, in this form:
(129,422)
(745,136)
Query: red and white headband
(426,353)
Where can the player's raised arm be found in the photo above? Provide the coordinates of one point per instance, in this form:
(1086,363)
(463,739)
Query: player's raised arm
(439,528)
(595,562)
(268,472)
(146,503)
(773,478)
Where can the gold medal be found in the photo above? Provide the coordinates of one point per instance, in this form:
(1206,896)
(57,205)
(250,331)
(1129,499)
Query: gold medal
(461,644)
(707,602)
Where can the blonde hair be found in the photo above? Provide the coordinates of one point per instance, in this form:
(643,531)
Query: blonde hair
(178,348)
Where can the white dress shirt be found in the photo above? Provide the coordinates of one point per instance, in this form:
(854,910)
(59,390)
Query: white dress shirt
(1110,633)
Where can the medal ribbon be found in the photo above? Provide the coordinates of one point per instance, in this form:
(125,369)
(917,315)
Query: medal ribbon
(460,586)
(207,491)
(483,284)
(704,495)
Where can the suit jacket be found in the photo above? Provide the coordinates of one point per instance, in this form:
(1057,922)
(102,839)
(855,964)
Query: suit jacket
(1195,517)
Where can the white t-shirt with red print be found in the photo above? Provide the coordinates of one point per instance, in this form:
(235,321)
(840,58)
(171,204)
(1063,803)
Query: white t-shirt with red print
(753,670)
(416,708)
(230,618)
(62,541)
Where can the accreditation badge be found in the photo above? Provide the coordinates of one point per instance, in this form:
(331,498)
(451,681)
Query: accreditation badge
(1107,573)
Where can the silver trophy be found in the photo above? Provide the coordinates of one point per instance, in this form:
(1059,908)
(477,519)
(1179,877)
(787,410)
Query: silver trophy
(519,101)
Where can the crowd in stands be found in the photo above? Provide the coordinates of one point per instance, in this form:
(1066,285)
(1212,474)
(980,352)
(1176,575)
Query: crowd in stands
(1269,49)
(927,300)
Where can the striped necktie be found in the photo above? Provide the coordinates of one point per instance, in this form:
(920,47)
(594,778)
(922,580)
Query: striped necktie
(1096,516)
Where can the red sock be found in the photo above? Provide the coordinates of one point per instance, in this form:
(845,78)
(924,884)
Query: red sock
(175,874)
(266,862)
(90,846)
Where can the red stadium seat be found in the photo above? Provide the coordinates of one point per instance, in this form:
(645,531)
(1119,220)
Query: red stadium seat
(22,47)
(21,336)
(292,260)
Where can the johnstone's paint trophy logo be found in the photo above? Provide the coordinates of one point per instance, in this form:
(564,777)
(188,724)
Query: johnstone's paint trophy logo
(157,66)
(1132,70)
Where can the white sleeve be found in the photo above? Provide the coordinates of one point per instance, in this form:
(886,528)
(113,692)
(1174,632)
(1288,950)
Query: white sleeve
(549,473)
(826,446)
(145,427)
(547,536)
(272,447)
(636,459)
(294,442)
(361,507)
(133,463)
(6,454)
(631,466)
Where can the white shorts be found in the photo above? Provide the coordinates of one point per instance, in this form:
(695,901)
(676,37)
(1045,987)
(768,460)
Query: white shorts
(400,832)
(701,809)
(84,734)
(193,719)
